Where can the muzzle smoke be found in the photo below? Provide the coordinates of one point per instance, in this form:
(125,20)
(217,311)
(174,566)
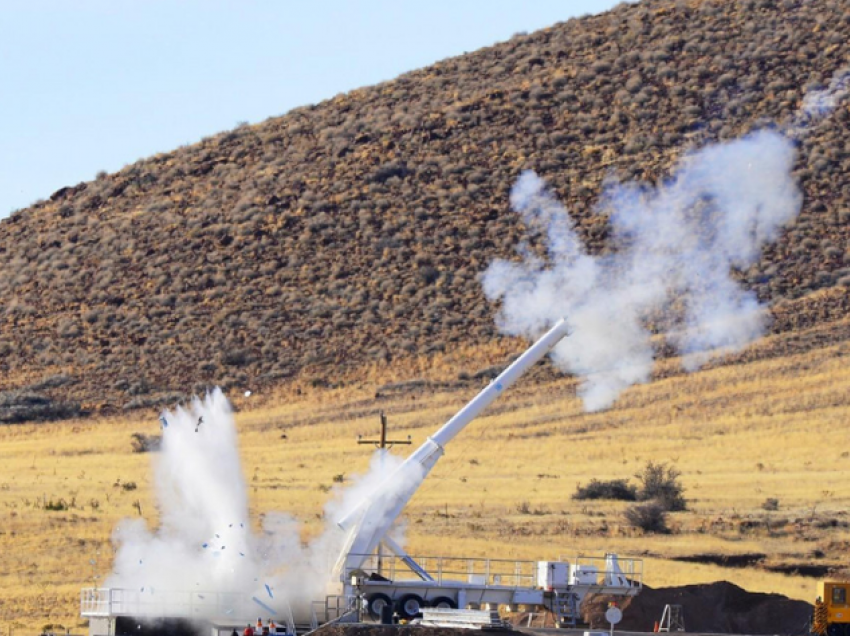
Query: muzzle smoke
(674,248)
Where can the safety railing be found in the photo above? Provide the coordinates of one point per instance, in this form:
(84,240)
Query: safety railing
(611,570)
(334,607)
(485,572)
(178,604)
(608,571)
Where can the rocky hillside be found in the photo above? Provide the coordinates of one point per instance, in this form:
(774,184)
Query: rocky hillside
(353,231)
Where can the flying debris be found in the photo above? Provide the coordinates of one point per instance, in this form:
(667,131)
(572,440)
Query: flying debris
(200,421)
(263,605)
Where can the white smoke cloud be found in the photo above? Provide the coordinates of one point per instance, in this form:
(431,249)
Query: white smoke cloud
(675,245)
(203,540)
(819,104)
(203,559)
(822,103)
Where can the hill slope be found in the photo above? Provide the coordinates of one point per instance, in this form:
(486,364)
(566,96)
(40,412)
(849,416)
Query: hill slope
(353,231)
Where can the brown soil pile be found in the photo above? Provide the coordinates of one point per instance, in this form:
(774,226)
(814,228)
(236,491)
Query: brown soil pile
(353,232)
(721,608)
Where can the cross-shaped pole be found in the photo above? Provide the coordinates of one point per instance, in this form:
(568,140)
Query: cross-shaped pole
(383,443)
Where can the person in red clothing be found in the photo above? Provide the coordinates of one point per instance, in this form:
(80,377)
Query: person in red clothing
(249,631)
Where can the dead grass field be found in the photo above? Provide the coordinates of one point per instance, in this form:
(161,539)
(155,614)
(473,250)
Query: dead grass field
(739,434)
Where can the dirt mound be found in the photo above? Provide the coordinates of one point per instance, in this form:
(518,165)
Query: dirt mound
(721,608)
(353,232)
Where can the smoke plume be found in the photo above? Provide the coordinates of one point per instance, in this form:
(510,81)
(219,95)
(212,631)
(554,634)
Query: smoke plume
(674,247)
(204,560)
(818,104)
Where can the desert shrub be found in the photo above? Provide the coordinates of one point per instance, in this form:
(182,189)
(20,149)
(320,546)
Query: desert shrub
(236,357)
(660,483)
(52,382)
(142,443)
(650,517)
(428,274)
(388,170)
(833,252)
(618,489)
(68,328)
(634,83)
(139,387)
(771,503)
(91,316)
(56,506)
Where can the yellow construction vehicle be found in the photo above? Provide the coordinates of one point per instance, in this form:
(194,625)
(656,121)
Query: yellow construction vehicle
(832,609)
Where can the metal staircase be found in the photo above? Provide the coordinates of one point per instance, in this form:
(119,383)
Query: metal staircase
(566,609)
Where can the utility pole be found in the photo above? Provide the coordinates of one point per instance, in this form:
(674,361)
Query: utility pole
(383,444)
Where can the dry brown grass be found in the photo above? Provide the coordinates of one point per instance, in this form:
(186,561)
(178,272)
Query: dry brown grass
(739,434)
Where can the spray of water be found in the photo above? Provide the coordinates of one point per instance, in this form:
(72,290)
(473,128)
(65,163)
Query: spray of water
(675,245)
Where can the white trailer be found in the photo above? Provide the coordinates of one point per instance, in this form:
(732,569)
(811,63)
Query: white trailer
(372,571)
(558,587)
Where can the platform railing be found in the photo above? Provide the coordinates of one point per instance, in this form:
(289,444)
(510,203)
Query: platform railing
(613,571)
(599,571)
(488,572)
(98,602)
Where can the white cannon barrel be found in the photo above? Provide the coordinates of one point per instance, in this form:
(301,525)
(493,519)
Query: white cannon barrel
(370,520)
(531,356)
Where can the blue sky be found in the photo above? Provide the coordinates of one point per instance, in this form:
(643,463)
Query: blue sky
(90,85)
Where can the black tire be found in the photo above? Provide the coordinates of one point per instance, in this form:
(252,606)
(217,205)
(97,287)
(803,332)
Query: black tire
(838,629)
(444,602)
(375,603)
(410,606)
